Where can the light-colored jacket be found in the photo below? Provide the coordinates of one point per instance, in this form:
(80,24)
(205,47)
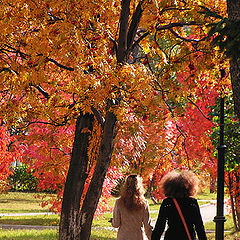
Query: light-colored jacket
(132,225)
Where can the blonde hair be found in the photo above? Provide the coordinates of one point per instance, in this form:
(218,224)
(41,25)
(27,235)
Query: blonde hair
(132,193)
(179,185)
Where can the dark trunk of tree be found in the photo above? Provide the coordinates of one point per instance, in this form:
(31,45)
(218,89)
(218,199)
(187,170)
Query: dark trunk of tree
(95,188)
(233,179)
(75,179)
(233,9)
(76,224)
(212,184)
(152,182)
(232,200)
(237,200)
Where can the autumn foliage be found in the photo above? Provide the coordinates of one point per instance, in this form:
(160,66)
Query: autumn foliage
(144,68)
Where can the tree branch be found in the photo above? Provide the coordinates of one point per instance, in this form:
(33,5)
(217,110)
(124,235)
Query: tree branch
(59,64)
(187,39)
(209,119)
(181,24)
(134,25)
(98,116)
(138,41)
(44,93)
(122,40)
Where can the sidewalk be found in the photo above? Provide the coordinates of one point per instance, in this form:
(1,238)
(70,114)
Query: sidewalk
(208,212)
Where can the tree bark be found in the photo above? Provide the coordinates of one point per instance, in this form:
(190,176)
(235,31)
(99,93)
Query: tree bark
(75,179)
(233,9)
(237,200)
(95,188)
(123,32)
(75,224)
(232,200)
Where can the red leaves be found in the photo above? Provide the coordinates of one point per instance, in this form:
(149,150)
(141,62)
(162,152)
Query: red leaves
(9,152)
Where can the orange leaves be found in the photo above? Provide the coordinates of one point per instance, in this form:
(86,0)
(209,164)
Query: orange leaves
(57,59)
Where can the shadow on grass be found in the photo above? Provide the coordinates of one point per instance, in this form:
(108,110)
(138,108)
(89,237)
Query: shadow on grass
(28,234)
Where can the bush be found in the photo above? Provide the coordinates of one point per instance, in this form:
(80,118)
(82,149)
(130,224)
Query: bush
(22,179)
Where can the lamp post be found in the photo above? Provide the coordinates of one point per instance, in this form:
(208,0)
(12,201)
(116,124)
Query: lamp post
(220,219)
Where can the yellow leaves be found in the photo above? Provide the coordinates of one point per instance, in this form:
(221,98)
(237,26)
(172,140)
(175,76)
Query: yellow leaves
(76,34)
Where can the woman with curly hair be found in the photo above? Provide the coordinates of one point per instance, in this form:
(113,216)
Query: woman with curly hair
(179,189)
(131,211)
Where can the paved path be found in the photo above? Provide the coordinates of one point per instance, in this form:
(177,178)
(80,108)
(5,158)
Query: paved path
(24,214)
(208,212)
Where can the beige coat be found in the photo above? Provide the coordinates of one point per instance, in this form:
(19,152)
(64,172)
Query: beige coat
(132,225)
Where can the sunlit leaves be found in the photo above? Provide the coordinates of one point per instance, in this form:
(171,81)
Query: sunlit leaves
(58,58)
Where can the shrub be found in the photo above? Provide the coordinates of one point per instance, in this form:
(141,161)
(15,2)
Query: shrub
(22,179)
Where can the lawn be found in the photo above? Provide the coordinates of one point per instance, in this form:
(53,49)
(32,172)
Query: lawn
(26,202)
(18,202)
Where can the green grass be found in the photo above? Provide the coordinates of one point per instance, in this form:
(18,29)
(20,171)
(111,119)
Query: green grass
(228,225)
(29,234)
(21,202)
(51,235)
(206,196)
(26,202)
(42,220)
(103,235)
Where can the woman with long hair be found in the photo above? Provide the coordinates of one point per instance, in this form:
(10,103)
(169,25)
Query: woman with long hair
(131,211)
(179,209)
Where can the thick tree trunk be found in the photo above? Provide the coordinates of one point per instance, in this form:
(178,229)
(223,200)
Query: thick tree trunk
(233,9)
(232,200)
(95,188)
(75,179)
(237,200)
(74,224)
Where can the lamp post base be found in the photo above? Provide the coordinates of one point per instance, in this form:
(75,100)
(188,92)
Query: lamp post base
(219,233)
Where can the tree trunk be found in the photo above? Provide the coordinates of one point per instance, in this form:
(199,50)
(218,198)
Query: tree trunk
(75,179)
(231,191)
(151,185)
(233,9)
(74,224)
(212,184)
(237,200)
(95,188)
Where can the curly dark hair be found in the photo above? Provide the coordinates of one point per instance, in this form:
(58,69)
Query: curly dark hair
(179,185)
(132,193)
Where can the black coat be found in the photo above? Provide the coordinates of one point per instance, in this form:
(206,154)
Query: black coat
(168,214)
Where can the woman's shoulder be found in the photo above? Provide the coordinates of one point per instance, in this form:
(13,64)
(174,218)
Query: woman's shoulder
(167,201)
(191,199)
(186,200)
